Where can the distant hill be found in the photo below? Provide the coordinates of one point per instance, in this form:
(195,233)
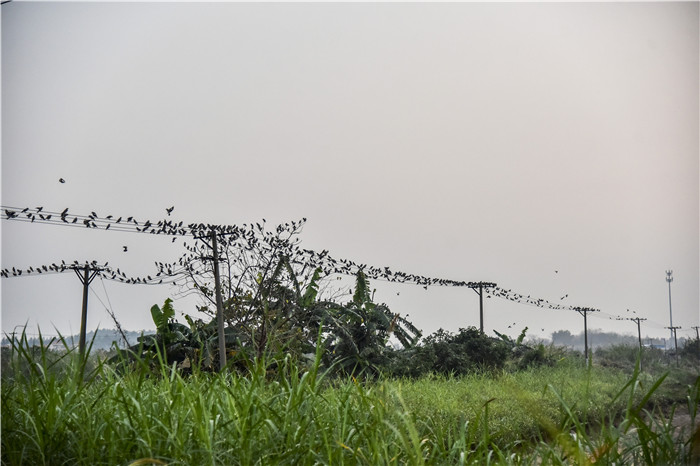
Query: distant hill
(102,340)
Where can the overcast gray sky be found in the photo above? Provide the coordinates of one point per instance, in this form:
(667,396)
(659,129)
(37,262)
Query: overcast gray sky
(469,141)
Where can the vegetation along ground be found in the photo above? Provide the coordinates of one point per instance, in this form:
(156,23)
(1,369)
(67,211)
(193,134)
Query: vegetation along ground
(320,381)
(57,409)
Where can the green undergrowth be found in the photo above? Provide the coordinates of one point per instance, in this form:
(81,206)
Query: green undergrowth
(565,414)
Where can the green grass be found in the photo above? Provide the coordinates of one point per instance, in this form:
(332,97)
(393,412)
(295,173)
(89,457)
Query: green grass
(57,411)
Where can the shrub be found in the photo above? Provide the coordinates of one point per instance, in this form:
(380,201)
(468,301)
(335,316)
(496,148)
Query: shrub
(446,353)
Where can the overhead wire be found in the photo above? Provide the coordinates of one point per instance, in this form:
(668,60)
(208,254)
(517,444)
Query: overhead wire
(245,237)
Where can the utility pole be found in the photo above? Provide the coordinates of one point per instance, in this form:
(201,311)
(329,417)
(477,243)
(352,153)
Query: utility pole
(219,301)
(584,311)
(480,292)
(675,340)
(669,279)
(219,304)
(638,320)
(697,335)
(89,273)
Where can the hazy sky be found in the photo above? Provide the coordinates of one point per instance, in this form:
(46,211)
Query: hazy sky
(469,141)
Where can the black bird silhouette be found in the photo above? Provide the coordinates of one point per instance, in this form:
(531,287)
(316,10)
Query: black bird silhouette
(170,210)
(61,180)
(125,248)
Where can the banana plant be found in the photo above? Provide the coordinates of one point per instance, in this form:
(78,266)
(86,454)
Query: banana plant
(187,346)
(517,342)
(361,330)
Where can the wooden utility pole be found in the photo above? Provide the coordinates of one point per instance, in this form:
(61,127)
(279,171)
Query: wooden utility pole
(219,303)
(675,340)
(480,292)
(89,273)
(584,311)
(638,321)
(217,289)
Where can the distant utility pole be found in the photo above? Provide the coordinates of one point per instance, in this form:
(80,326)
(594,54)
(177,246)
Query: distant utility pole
(89,273)
(480,292)
(638,320)
(584,311)
(669,279)
(675,340)
(697,335)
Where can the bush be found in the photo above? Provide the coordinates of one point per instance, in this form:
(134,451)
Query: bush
(446,353)
(690,350)
(535,357)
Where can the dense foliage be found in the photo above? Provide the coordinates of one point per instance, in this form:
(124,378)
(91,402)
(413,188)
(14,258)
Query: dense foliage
(58,409)
(283,319)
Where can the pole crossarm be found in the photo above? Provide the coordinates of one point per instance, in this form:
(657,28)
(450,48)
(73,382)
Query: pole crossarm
(93,272)
(477,287)
(633,319)
(583,310)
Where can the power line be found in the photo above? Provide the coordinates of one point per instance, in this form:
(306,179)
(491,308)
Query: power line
(247,237)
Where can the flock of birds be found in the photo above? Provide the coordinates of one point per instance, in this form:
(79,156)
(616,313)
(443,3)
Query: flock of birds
(522,299)
(247,236)
(252,238)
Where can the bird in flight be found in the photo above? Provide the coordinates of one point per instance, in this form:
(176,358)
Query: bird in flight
(61,180)
(170,210)
(125,248)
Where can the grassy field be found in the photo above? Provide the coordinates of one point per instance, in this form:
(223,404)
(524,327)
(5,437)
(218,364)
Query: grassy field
(57,411)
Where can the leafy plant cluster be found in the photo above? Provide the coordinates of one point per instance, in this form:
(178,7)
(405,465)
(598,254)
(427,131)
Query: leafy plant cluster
(280,319)
(469,351)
